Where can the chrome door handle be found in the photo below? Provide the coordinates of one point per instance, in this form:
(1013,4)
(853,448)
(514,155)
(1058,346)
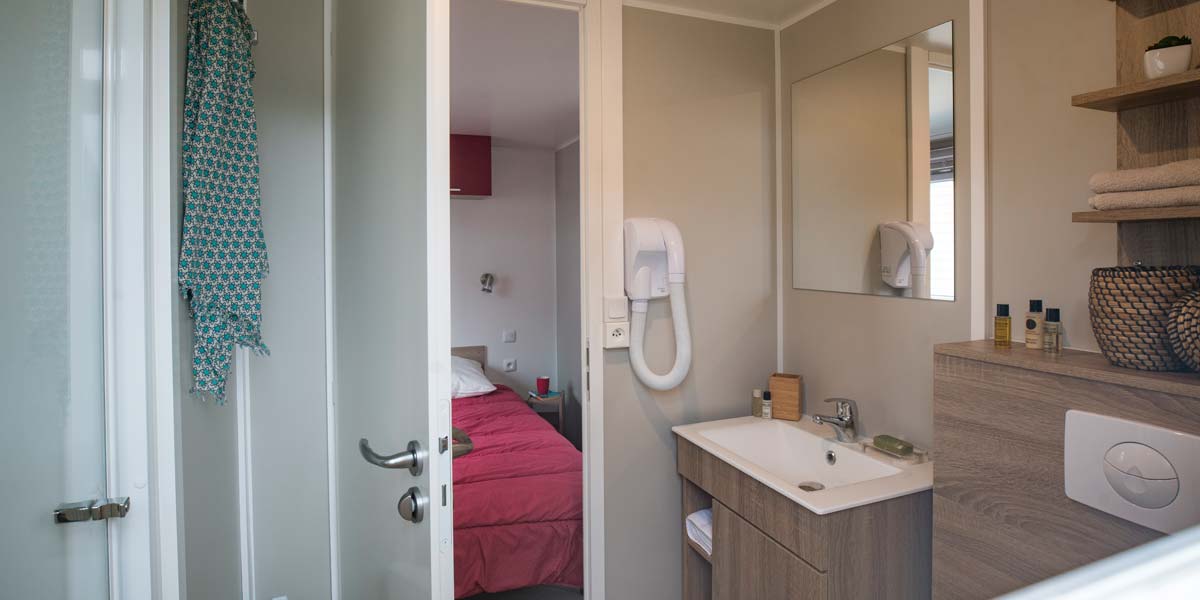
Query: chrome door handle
(412,459)
(412,505)
(91,510)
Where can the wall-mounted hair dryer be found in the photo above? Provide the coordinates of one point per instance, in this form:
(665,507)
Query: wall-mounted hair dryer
(904,256)
(654,268)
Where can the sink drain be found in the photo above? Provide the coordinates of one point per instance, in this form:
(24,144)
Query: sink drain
(810,486)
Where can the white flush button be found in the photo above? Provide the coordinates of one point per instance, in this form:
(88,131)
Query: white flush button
(1146,493)
(1140,460)
(1136,471)
(1141,475)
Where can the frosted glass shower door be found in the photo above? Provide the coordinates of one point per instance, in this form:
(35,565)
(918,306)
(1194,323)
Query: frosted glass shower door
(52,423)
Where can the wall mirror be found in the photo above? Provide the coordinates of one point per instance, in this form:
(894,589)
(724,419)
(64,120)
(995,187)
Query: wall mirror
(872,172)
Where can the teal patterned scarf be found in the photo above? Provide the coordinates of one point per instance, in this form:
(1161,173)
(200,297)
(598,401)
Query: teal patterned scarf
(223,257)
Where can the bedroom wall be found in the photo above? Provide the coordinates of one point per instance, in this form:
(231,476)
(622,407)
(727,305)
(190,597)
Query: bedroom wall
(511,235)
(890,377)
(568,267)
(715,182)
(1042,151)
(286,399)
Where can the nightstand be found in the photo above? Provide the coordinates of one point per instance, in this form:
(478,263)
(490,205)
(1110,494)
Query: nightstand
(550,403)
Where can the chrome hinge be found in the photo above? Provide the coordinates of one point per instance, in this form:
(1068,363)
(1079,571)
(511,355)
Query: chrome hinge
(443,444)
(92,510)
(443,494)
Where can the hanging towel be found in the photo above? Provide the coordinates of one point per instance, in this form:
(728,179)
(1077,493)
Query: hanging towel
(223,256)
(1176,174)
(1177,196)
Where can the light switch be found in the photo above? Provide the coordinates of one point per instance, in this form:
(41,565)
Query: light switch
(508,336)
(510,365)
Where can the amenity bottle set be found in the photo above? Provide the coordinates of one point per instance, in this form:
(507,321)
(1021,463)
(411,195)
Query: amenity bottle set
(1043,331)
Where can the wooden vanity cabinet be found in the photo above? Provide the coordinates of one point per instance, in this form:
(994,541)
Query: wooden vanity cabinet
(749,565)
(767,547)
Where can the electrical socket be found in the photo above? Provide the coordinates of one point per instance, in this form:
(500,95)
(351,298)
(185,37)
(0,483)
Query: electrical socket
(510,365)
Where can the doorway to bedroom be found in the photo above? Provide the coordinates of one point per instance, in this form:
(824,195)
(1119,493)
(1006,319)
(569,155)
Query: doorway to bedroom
(516,315)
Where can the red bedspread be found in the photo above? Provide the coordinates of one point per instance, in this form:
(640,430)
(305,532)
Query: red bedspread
(518,499)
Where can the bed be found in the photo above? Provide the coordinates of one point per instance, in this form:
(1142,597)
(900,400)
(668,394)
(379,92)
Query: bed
(518,496)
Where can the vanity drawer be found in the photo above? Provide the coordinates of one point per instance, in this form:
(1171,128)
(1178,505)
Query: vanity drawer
(749,565)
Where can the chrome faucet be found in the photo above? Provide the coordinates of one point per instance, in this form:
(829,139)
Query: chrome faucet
(844,423)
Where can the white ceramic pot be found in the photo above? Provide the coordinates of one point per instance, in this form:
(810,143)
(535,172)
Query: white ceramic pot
(1167,61)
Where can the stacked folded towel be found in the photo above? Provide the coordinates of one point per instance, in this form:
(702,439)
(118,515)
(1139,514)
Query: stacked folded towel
(1172,184)
(699,529)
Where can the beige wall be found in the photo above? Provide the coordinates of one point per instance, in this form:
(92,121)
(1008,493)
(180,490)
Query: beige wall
(699,150)
(1042,151)
(849,170)
(511,235)
(876,350)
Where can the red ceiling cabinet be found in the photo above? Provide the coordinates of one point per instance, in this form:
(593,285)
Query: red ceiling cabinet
(470,165)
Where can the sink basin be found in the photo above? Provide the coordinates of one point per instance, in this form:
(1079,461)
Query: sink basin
(804,462)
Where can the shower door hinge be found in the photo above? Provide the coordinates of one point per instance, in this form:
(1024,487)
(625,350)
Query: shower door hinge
(92,510)
(443,444)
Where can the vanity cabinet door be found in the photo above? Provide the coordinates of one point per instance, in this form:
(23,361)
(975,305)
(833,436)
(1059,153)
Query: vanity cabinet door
(748,565)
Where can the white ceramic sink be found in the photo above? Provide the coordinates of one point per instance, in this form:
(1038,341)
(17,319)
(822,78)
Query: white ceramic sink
(784,455)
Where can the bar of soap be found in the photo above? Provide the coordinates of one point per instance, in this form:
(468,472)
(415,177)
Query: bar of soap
(896,446)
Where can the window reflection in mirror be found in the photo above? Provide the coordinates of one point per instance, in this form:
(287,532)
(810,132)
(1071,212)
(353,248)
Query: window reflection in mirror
(873,144)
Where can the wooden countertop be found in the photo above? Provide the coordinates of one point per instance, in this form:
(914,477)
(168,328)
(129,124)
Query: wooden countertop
(1074,363)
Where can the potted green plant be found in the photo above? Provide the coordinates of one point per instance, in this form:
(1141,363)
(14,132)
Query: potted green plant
(1171,55)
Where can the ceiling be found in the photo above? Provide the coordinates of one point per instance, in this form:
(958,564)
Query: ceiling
(767,12)
(514,72)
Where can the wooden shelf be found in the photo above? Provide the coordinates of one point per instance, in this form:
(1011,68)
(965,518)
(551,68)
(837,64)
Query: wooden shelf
(1143,93)
(1075,363)
(1136,214)
(699,550)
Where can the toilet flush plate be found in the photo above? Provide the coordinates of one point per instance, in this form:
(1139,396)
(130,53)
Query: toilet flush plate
(1142,473)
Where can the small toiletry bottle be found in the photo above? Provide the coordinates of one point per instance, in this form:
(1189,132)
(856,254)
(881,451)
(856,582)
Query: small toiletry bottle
(766,405)
(1003,327)
(1052,332)
(756,403)
(1033,325)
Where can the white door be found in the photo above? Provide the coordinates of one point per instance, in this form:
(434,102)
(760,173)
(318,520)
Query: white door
(52,432)
(391,298)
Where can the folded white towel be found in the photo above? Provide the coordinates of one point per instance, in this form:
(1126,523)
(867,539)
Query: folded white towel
(1177,196)
(1177,174)
(699,529)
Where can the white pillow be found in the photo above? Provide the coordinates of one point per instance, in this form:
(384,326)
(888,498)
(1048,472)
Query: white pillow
(467,378)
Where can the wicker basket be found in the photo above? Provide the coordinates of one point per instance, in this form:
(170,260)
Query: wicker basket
(1130,309)
(1183,329)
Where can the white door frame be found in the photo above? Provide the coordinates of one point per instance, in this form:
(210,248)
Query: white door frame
(140,400)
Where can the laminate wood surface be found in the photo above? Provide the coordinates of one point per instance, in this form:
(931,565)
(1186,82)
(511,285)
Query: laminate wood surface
(1001,516)
(1136,214)
(873,551)
(749,565)
(1074,363)
(1141,93)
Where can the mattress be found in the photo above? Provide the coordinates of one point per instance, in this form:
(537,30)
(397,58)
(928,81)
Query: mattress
(518,499)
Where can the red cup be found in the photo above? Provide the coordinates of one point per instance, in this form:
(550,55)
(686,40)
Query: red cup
(543,384)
